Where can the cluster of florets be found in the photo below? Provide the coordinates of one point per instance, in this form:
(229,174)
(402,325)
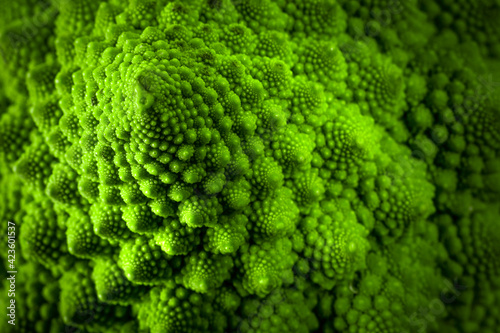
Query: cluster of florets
(251,166)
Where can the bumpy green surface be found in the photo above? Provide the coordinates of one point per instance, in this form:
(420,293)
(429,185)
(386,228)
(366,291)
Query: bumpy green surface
(251,165)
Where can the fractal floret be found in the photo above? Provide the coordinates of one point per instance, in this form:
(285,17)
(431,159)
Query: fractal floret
(250,166)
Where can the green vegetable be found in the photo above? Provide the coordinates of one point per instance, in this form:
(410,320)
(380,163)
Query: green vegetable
(251,165)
